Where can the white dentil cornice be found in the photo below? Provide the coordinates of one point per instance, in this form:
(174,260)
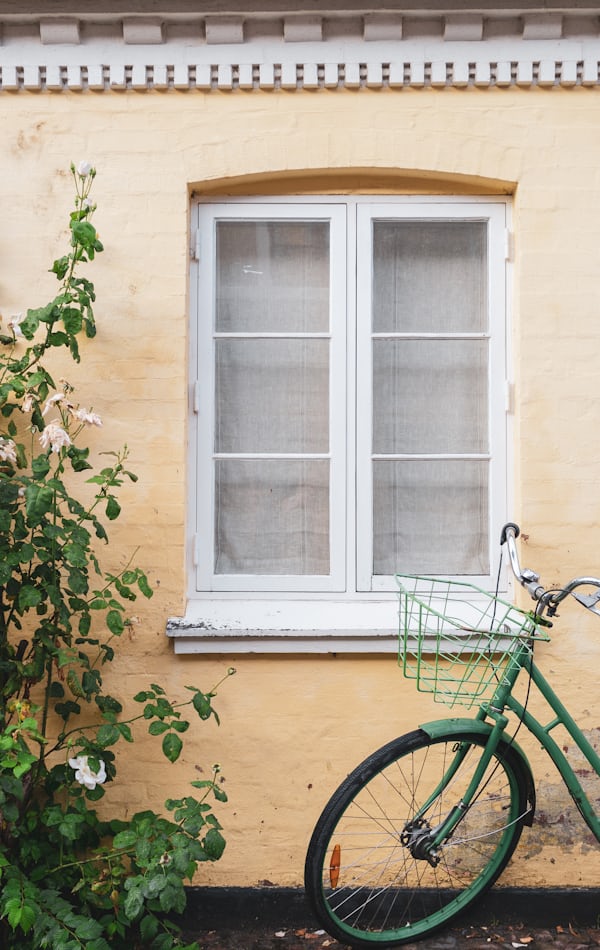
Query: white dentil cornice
(245,51)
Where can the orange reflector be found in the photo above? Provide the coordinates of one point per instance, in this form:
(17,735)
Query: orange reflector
(334,865)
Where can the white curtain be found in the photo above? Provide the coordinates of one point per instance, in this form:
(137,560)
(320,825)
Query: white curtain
(272,398)
(430,397)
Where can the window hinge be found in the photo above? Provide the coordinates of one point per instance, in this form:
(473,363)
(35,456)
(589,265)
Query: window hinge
(509,244)
(196,397)
(509,397)
(196,550)
(195,245)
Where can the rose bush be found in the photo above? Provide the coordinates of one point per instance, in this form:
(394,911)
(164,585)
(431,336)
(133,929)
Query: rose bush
(69,877)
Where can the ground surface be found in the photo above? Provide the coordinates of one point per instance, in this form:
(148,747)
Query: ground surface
(255,936)
(271,918)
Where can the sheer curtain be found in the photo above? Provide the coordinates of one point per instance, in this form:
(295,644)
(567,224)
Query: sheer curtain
(430,397)
(272,398)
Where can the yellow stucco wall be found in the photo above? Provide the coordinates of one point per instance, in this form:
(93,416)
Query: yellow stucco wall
(293,726)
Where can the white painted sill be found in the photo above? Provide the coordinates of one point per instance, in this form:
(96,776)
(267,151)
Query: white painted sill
(286,626)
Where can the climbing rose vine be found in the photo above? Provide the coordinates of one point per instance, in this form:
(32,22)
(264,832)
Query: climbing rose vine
(70,878)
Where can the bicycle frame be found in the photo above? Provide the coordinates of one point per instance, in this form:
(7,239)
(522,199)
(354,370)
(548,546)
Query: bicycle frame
(494,710)
(542,734)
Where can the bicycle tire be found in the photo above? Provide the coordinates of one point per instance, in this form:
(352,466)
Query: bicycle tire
(364,885)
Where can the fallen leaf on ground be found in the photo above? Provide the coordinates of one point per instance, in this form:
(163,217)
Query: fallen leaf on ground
(280,933)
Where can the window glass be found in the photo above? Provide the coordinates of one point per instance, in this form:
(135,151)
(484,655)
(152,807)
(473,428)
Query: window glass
(272,395)
(430,396)
(350,374)
(430,517)
(429,276)
(271,517)
(272,275)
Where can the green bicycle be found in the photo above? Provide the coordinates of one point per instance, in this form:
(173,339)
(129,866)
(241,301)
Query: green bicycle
(425,825)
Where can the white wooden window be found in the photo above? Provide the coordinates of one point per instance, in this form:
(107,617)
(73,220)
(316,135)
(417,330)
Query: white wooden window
(349,373)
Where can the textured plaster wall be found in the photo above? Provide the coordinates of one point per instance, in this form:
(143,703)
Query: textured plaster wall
(293,726)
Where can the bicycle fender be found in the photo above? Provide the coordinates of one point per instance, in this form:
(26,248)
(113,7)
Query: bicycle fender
(448,727)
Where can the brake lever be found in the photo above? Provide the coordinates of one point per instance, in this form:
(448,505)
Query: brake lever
(590,601)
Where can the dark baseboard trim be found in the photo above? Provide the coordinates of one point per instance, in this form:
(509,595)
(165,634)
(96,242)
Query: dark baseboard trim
(216,907)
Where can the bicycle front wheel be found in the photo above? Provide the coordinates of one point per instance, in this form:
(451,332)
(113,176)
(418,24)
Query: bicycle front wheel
(368,882)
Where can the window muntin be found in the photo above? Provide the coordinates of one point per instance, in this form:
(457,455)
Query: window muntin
(306,489)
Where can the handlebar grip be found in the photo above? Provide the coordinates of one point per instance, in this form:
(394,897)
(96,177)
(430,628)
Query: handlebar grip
(516,530)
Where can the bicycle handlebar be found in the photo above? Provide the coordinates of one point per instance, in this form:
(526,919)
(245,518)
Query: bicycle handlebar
(547,599)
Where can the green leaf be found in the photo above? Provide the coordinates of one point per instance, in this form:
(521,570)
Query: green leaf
(144,586)
(214,844)
(39,500)
(83,233)
(148,929)
(72,320)
(134,903)
(115,623)
(108,704)
(65,710)
(29,597)
(88,929)
(107,735)
(157,728)
(202,705)
(60,267)
(180,725)
(125,731)
(85,622)
(125,839)
(143,696)
(76,555)
(30,324)
(113,508)
(172,746)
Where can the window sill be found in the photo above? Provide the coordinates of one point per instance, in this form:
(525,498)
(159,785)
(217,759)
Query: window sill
(253,626)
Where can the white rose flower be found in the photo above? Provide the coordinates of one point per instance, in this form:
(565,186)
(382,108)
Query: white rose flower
(28,403)
(83,169)
(8,451)
(58,397)
(55,437)
(90,418)
(14,323)
(85,775)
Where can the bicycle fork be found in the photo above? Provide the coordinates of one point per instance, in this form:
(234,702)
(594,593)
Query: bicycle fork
(423,841)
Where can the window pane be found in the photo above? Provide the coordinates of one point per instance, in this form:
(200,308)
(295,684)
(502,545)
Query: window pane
(272,517)
(272,276)
(272,396)
(430,396)
(429,276)
(430,517)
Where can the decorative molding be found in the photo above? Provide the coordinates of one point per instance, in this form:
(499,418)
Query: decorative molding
(57,31)
(230,53)
(143,31)
(224,29)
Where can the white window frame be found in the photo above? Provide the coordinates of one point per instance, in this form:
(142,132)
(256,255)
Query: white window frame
(207,580)
(335,614)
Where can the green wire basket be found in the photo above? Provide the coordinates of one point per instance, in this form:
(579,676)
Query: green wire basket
(457,641)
